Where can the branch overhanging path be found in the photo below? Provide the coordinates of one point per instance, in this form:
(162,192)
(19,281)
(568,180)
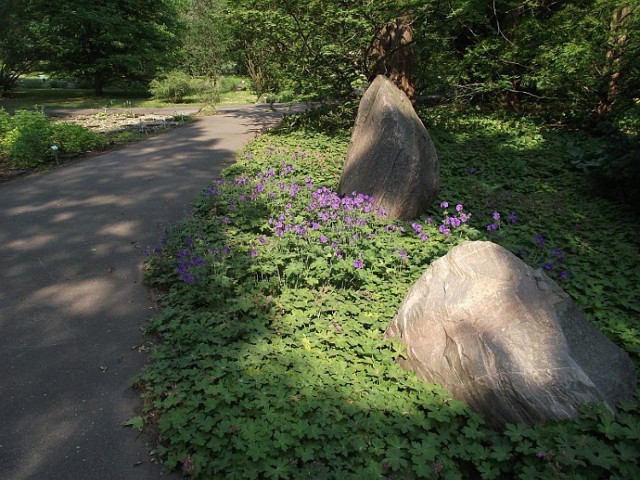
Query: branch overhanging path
(73,302)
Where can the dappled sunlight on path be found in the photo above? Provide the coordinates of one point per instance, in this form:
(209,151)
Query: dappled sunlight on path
(73,301)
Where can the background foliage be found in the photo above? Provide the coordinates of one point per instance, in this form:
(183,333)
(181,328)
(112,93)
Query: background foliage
(575,61)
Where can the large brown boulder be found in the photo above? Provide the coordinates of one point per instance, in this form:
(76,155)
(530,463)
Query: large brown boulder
(391,156)
(507,340)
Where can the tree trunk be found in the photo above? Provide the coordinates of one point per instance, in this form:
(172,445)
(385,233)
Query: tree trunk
(613,67)
(392,54)
(99,84)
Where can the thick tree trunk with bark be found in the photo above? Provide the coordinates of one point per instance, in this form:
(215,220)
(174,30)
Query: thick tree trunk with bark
(98,84)
(617,43)
(392,56)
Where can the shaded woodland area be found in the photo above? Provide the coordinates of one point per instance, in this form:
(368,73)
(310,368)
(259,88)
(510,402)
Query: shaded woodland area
(578,59)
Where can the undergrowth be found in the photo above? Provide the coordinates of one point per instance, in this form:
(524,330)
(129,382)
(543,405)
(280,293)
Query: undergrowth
(276,294)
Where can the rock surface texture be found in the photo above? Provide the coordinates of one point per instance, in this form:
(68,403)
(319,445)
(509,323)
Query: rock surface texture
(391,156)
(507,340)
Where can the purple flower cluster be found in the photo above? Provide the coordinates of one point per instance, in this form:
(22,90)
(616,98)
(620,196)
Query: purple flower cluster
(186,260)
(551,259)
(451,222)
(327,212)
(404,257)
(496,216)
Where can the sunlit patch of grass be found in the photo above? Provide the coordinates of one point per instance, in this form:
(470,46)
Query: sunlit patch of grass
(238,97)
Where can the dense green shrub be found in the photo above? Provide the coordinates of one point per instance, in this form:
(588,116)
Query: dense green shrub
(5,122)
(27,141)
(72,138)
(614,166)
(173,86)
(176,86)
(231,83)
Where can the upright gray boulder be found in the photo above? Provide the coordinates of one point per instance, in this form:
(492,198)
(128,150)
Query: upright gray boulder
(507,340)
(391,156)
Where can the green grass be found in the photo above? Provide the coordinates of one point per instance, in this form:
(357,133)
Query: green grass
(34,94)
(272,362)
(241,97)
(48,98)
(53,98)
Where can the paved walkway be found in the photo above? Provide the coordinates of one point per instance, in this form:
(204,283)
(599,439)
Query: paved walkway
(72,302)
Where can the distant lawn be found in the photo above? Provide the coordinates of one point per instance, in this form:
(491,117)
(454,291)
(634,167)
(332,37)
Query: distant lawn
(49,98)
(52,98)
(240,97)
(34,94)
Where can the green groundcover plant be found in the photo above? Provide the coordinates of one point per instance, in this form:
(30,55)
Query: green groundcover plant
(276,293)
(29,140)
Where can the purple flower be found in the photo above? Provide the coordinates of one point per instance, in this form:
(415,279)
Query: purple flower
(459,208)
(262,240)
(513,218)
(197,261)
(417,227)
(444,205)
(403,254)
(424,237)
(548,266)
(252,253)
(496,216)
(491,227)
(540,240)
(323,239)
(358,263)
(564,275)
(188,277)
(559,254)
(444,230)
(472,170)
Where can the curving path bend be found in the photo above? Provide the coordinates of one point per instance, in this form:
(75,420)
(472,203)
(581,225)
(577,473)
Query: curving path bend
(72,301)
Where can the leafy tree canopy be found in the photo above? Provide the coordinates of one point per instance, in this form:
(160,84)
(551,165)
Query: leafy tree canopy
(108,40)
(207,38)
(578,56)
(19,40)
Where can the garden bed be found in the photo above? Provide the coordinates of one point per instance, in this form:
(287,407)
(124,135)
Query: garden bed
(116,128)
(276,293)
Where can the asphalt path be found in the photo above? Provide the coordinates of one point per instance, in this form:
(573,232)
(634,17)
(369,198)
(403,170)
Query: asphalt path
(72,300)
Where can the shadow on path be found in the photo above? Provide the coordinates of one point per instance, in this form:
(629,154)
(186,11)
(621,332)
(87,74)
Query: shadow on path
(73,302)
